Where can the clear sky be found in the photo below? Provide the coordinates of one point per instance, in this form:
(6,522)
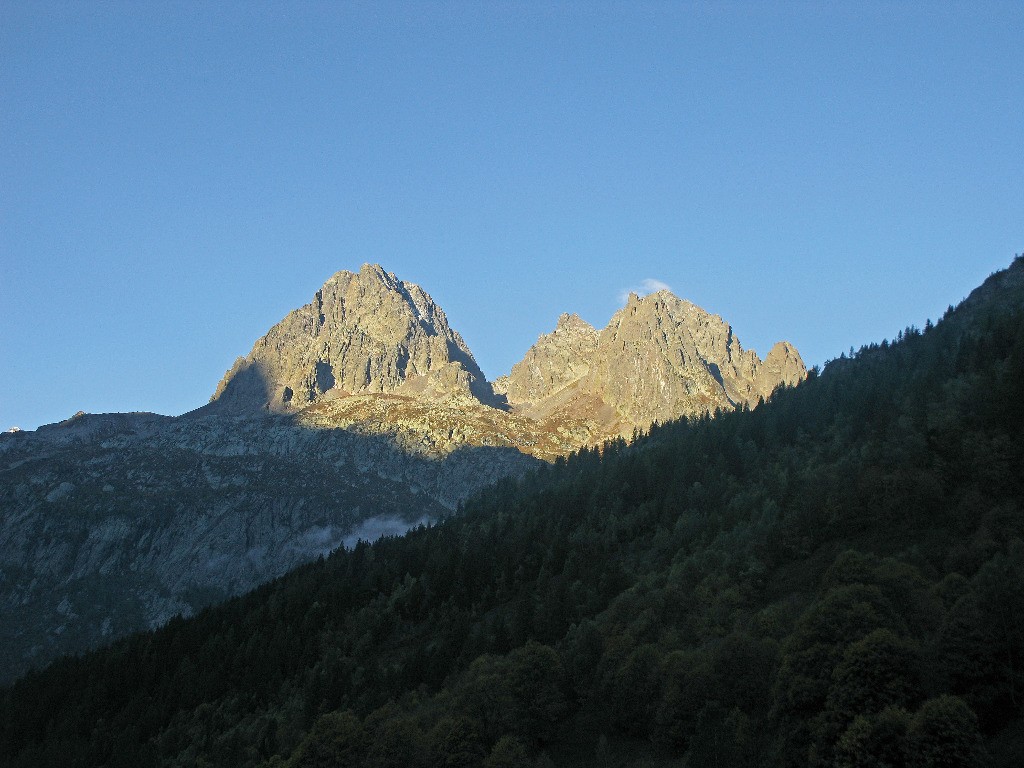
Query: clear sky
(176,177)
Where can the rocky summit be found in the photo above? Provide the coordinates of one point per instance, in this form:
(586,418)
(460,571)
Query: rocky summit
(377,354)
(658,358)
(360,413)
(364,332)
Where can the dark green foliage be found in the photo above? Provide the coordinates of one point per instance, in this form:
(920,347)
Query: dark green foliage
(944,734)
(454,742)
(337,738)
(833,579)
(877,671)
(876,740)
(522,693)
(508,753)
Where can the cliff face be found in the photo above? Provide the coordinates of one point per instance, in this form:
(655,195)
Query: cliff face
(370,334)
(557,359)
(364,332)
(658,358)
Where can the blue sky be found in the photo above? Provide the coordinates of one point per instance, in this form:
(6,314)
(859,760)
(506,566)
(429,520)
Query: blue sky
(176,177)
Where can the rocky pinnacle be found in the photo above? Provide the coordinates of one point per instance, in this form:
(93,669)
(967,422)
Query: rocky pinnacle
(658,358)
(363,332)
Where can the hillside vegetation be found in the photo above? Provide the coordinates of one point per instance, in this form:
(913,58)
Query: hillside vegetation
(833,579)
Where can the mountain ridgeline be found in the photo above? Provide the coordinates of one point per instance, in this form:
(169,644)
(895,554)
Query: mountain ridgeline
(835,578)
(369,333)
(361,412)
(658,359)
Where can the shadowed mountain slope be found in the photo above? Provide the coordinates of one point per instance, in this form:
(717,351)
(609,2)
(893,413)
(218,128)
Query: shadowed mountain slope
(115,523)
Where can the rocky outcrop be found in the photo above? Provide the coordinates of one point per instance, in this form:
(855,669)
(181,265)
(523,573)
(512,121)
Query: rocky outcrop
(364,332)
(557,359)
(371,334)
(783,366)
(658,358)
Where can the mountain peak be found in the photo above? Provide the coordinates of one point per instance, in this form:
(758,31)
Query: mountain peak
(370,333)
(376,273)
(556,360)
(568,323)
(364,332)
(659,357)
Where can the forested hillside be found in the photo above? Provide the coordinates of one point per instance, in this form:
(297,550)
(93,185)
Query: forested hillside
(833,579)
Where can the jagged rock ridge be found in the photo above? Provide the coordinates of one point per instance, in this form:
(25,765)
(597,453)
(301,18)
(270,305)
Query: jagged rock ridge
(370,334)
(364,332)
(555,361)
(658,358)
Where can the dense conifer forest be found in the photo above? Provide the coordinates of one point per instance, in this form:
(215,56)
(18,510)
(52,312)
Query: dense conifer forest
(835,578)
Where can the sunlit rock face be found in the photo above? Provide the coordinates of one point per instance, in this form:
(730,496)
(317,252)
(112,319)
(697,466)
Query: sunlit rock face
(557,359)
(658,358)
(363,332)
(369,334)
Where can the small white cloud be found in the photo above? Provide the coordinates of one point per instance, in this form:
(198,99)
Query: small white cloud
(650,285)
(647,285)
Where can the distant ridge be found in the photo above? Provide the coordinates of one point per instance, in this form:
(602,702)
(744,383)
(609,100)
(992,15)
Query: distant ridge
(368,333)
(658,358)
